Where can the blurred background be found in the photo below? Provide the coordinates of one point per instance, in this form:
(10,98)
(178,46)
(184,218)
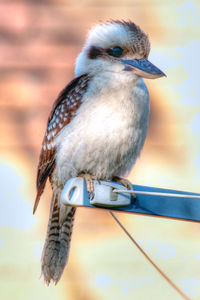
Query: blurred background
(39,42)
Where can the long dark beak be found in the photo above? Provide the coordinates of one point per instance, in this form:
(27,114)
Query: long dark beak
(142,67)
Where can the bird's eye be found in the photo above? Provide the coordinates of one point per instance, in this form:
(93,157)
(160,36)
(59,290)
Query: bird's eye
(116,51)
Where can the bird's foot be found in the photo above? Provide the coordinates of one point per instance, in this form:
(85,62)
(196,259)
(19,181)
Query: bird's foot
(89,183)
(127,184)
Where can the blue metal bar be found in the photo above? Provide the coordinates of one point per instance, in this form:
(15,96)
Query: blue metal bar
(185,208)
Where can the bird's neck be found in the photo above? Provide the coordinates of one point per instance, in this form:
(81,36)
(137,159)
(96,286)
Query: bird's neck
(111,82)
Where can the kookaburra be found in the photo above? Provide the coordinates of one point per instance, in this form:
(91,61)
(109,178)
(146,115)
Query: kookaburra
(97,126)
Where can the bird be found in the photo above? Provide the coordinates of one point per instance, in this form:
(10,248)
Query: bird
(96,128)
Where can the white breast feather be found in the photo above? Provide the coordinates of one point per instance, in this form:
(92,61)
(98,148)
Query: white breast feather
(108,132)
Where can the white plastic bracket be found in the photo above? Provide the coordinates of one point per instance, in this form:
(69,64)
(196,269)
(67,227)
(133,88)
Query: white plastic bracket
(75,193)
(150,201)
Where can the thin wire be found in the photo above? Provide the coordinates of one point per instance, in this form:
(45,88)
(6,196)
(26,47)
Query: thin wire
(173,285)
(157,194)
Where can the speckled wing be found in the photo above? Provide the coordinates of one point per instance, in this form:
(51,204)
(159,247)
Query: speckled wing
(63,111)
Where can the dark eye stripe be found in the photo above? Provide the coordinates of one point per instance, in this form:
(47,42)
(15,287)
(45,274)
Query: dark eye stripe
(94,52)
(115,51)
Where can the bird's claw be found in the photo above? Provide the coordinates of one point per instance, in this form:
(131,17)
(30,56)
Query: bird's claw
(91,196)
(127,184)
(89,184)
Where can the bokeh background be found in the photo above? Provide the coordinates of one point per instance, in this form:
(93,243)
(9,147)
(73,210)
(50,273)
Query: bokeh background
(39,42)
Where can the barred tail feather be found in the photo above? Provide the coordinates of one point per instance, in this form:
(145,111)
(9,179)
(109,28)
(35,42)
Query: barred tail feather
(57,243)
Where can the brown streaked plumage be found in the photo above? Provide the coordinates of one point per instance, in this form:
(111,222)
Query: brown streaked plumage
(61,114)
(58,235)
(141,44)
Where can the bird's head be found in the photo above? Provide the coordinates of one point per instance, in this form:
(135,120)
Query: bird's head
(117,46)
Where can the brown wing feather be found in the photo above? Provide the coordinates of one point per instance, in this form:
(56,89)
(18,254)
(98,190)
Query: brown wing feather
(62,113)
